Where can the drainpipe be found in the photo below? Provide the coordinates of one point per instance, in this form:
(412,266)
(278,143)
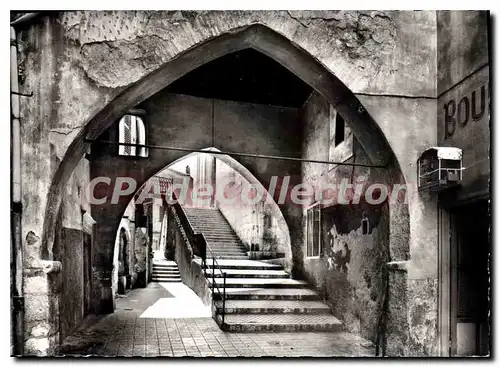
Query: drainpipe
(16,258)
(16,265)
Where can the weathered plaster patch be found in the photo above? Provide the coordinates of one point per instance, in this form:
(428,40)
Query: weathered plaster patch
(423,316)
(120,47)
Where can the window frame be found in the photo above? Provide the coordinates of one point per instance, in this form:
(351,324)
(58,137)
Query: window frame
(338,117)
(138,136)
(313,208)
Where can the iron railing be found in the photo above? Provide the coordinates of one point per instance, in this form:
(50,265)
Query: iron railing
(199,247)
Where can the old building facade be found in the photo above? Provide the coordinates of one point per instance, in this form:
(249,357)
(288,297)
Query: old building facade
(384,86)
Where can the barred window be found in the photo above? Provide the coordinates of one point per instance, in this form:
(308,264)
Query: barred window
(132,131)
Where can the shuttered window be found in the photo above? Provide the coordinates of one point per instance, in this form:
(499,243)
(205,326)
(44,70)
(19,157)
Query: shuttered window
(132,131)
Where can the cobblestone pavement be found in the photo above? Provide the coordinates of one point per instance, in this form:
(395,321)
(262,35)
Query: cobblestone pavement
(126,333)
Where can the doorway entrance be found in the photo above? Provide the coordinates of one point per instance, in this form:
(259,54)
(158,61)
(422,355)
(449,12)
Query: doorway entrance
(469,306)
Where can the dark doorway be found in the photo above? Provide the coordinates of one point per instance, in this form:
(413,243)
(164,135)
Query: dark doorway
(87,272)
(123,268)
(470,248)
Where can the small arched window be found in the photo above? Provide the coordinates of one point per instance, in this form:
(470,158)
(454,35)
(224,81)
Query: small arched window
(132,131)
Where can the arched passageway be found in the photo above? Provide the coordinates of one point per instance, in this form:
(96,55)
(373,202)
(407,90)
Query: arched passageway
(194,123)
(257,37)
(125,255)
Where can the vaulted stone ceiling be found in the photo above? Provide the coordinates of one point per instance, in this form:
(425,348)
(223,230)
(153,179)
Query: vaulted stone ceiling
(246,76)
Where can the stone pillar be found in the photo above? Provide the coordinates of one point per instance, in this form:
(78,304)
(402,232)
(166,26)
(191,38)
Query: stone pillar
(293,215)
(213,178)
(411,328)
(41,308)
(103,301)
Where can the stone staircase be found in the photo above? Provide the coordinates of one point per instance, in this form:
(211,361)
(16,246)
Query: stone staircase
(261,297)
(220,236)
(165,271)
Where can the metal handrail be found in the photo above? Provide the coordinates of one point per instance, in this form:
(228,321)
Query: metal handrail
(199,247)
(224,275)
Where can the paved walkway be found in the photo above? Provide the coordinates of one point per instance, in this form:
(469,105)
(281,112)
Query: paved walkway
(168,319)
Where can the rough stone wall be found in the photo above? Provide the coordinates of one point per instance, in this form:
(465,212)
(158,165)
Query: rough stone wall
(413,121)
(372,46)
(69,282)
(42,299)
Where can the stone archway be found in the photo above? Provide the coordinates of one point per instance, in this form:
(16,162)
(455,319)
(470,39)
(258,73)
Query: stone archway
(247,175)
(280,49)
(257,37)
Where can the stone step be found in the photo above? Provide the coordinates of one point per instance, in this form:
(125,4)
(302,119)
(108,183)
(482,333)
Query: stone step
(155,273)
(203,218)
(210,216)
(227,248)
(258,283)
(228,252)
(226,236)
(212,226)
(275,307)
(210,223)
(229,255)
(224,257)
(213,231)
(243,264)
(164,278)
(279,323)
(166,275)
(249,273)
(224,243)
(305,294)
(213,245)
(216,235)
(161,266)
(222,240)
(166,271)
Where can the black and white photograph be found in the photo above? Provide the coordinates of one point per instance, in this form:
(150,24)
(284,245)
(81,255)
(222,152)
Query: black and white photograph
(250,183)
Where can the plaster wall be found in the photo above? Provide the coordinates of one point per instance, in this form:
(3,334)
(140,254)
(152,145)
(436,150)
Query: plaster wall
(350,271)
(253,223)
